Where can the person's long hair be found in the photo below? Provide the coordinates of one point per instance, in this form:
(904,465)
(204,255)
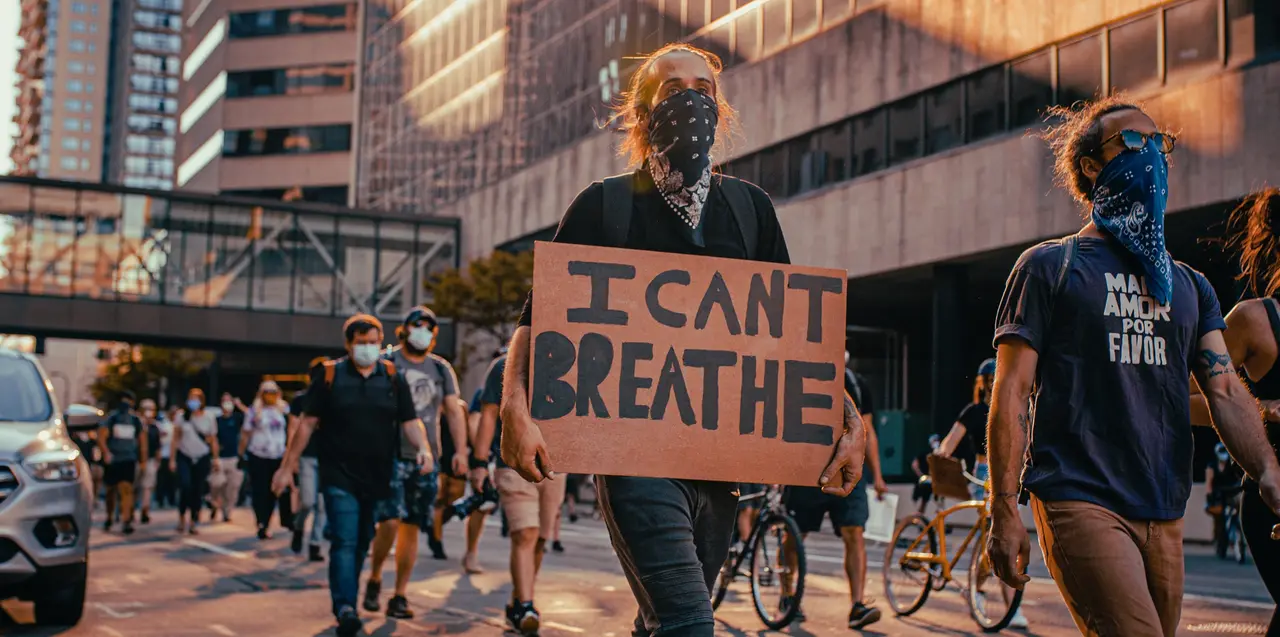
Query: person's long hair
(196,393)
(259,404)
(982,386)
(1255,226)
(632,112)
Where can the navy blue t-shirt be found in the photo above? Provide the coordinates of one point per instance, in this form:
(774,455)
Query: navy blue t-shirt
(492,395)
(1111,419)
(229,434)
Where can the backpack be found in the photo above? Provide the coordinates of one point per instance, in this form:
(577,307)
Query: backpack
(618,195)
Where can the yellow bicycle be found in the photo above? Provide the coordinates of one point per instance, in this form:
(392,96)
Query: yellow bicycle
(916,561)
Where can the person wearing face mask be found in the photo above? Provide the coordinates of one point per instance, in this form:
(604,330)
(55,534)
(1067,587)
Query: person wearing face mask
(265,438)
(122,440)
(195,454)
(358,408)
(434,388)
(149,462)
(1108,330)
(672,536)
(224,485)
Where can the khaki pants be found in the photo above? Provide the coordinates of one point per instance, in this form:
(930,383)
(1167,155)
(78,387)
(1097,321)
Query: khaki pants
(1118,576)
(224,484)
(530,505)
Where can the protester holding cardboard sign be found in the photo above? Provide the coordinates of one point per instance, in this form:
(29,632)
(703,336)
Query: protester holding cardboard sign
(708,356)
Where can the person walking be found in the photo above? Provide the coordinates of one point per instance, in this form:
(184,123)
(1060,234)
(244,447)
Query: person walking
(224,484)
(672,536)
(122,440)
(358,408)
(265,439)
(1108,329)
(1253,339)
(433,386)
(166,478)
(309,500)
(195,452)
(149,463)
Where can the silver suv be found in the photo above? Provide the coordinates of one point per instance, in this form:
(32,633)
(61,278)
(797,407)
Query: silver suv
(46,494)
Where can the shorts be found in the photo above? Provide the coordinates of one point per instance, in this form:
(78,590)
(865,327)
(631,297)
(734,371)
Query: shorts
(528,505)
(746,488)
(119,472)
(808,505)
(451,489)
(412,493)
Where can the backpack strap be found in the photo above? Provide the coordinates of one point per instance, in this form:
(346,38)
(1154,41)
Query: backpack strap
(616,222)
(329,367)
(1070,248)
(389,366)
(744,212)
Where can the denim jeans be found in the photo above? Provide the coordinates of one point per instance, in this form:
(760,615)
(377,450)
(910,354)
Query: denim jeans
(309,499)
(350,530)
(671,536)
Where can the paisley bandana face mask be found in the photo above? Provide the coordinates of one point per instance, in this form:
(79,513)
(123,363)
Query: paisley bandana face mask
(1129,201)
(682,130)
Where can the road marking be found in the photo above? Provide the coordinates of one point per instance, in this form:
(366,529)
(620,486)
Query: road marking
(136,579)
(559,626)
(431,594)
(1238,603)
(214,548)
(572,611)
(110,631)
(608,589)
(222,630)
(115,614)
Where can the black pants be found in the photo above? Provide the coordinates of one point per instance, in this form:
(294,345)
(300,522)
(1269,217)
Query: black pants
(261,470)
(1257,519)
(671,536)
(166,491)
(193,484)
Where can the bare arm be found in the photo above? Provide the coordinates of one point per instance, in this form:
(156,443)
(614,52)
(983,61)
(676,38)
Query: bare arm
(143,444)
(457,418)
(1232,408)
(104,432)
(915,466)
(1239,327)
(306,425)
(416,432)
(952,441)
(1009,427)
(515,381)
(484,433)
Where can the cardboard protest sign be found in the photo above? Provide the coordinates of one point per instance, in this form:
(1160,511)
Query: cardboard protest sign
(665,365)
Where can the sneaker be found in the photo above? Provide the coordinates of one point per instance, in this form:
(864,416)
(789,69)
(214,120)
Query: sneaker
(263,533)
(787,603)
(372,589)
(1019,620)
(128,528)
(296,544)
(863,615)
(315,555)
(398,608)
(348,622)
(437,548)
(146,517)
(573,518)
(226,515)
(523,618)
(557,546)
(106,526)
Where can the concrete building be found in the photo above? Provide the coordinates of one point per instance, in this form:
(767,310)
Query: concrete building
(62,87)
(267,99)
(894,138)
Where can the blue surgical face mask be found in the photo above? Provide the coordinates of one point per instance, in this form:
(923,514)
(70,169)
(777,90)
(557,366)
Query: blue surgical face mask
(1129,199)
(193,404)
(365,355)
(420,338)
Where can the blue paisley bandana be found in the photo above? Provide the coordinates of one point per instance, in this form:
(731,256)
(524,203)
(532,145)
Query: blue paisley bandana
(1129,201)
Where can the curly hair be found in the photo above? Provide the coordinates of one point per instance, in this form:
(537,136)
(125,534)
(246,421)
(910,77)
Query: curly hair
(633,110)
(1078,134)
(1255,226)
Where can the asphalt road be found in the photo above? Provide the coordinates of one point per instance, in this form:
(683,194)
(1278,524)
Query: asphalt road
(226,583)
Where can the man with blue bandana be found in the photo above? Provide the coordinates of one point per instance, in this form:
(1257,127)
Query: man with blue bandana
(1097,336)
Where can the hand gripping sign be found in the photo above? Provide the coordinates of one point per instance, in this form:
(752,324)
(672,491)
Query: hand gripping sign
(676,366)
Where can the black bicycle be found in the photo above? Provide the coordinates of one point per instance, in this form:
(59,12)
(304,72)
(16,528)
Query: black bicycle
(773,560)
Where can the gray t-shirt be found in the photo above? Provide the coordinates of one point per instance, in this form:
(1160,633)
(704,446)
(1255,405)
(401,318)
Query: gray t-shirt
(430,381)
(122,429)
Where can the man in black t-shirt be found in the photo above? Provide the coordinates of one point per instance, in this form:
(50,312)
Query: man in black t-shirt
(357,408)
(123,442)
(670,550)
(309,499)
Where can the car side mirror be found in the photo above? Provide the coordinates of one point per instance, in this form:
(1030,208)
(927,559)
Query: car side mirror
(83,417)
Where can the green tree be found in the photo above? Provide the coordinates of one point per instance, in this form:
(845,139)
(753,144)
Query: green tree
(487,296)
(141,368)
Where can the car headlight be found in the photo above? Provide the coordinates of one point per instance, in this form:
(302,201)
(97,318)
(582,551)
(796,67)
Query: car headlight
(53,466)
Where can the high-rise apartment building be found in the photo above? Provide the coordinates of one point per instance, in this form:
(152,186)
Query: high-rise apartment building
(267,99)
(63,76)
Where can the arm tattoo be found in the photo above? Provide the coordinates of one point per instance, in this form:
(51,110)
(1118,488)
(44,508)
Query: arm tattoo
(1214,363)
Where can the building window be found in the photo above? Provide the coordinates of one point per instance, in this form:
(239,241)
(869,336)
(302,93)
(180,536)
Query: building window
(773,170)
(142,145)
(157,41)
(76,46)
(797,152)
(70,143)
(88,87)
(74,86)
(153,83)
(334,17)
(78,7)
(71,124)
(153,20)
(75,106)
(75,67)
(336,195)
(309,80)
(69,163)
(287,141)
(78,26)
(1031,88)
(152,124)
(163,5)
(153,103)
(1080,70)
(984,96)
(93,48)
(804,18)
(1135,54)
(86,125)
(868,143)
(834,146)
(904,130)
(149,166)
(84,164)
(944,124)
(86,145)
(834,11)
(1191,36)
(91,69)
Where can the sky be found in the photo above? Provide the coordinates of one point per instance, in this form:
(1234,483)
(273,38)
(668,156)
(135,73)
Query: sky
(9,20)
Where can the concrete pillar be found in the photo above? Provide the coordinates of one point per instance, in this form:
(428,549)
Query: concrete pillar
(950,344)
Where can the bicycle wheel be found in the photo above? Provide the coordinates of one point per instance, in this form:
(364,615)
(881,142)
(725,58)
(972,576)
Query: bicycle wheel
(1238,539)
(991,604)
(728,571)
(773,574)
(907,582)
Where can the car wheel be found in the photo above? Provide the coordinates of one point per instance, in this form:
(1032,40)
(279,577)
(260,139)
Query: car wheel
(65,605)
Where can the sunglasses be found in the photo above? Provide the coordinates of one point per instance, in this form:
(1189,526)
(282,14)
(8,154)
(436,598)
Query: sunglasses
(1133,140)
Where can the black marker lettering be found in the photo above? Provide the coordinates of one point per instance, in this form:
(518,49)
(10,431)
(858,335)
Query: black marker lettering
(595,358)
(817,286)
(629,384)
(717,294)
(553,356)
(766,393)
(659,313)
(770,300)
(672,380)
(600,273)
(795,401)
(710,361)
